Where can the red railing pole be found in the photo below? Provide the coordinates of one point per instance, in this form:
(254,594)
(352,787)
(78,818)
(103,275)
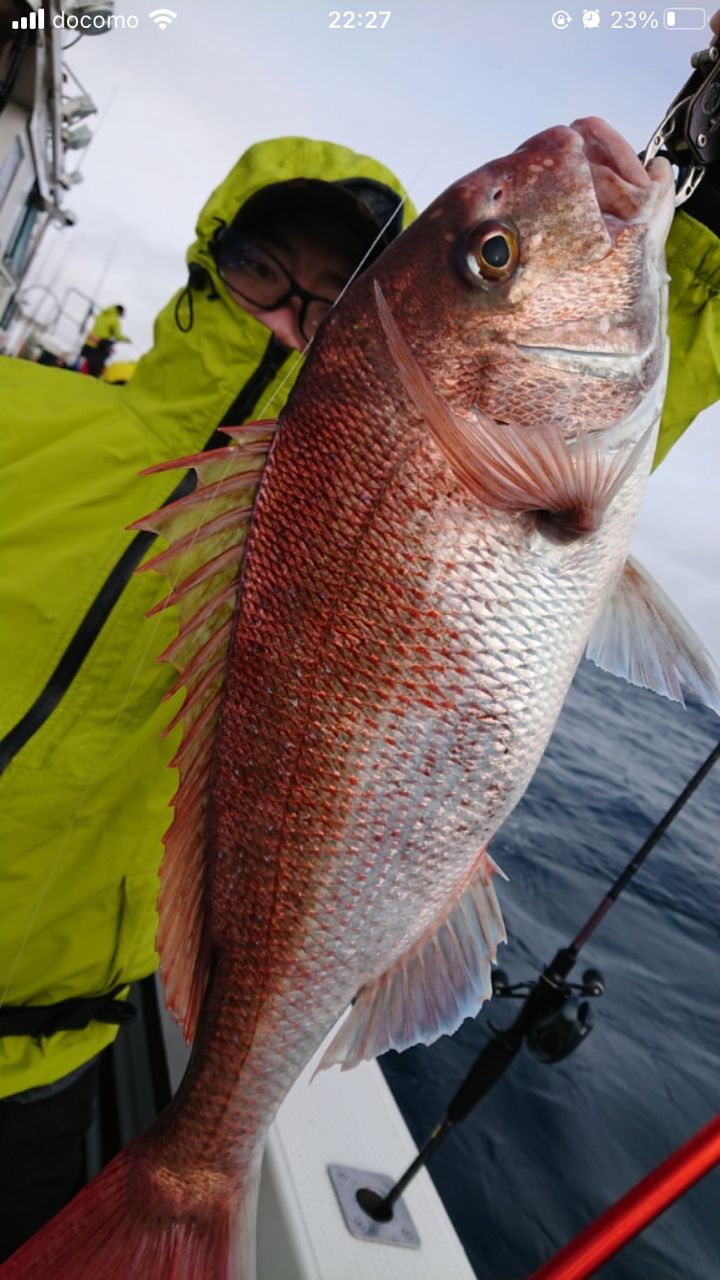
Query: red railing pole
(587,1252)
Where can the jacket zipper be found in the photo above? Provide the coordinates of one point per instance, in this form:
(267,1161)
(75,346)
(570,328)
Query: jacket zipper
(122,572)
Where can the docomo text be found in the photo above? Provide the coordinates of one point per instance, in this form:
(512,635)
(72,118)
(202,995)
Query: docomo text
(96,21)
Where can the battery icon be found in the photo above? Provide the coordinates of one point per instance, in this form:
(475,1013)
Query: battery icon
(685,19)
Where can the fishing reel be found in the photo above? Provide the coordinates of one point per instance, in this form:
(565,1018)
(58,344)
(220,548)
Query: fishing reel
(558,1011)
(689,133)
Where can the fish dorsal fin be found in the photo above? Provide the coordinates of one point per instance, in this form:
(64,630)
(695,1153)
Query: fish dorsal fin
(641,636)
(443,979)
(207,532)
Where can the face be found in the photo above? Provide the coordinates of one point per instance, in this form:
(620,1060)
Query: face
(320,263)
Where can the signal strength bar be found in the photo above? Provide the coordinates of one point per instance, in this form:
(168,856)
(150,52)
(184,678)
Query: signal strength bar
(35,22)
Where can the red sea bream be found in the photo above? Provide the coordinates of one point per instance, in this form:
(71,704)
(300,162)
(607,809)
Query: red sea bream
(379,628)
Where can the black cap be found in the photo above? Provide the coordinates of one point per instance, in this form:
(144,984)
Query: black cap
(384,204)
(369,210)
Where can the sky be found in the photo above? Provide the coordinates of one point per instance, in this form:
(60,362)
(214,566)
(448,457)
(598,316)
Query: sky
(440,89)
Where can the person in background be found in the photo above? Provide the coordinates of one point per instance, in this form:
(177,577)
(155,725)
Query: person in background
(98,345)
(85,782)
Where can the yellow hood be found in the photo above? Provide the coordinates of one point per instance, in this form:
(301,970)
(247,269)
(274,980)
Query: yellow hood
(200,372)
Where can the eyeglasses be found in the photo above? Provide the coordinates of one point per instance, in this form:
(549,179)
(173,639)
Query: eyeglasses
(256,276)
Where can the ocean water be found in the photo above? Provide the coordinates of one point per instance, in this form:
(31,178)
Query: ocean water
(552,1146)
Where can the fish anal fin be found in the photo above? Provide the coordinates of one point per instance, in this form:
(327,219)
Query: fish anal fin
(643,638)
(443,979)
(207,533)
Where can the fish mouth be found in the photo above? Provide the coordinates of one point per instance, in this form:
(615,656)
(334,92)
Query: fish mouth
(626,193)
(625,190)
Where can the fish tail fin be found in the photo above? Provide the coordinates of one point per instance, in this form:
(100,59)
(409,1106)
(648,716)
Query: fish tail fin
(115,1230)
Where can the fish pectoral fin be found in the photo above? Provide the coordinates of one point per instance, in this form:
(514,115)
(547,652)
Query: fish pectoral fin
(442,980)
(207,530)
(517,468)
(641,636)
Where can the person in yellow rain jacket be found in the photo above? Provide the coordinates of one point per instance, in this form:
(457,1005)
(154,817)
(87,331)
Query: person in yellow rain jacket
(106,331)
(86,784)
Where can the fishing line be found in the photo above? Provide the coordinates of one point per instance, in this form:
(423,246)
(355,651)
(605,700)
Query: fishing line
(403,201)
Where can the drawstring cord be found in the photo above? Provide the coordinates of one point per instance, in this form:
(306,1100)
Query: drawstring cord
(198,278)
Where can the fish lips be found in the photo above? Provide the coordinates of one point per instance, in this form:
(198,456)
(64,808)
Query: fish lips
(599,168)
(626,192)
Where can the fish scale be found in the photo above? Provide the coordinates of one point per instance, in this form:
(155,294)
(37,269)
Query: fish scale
(378,783)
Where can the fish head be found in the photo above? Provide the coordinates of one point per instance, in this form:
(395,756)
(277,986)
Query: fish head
(542,273)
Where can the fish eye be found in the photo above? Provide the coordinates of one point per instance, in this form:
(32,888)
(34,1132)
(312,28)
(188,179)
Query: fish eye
(490,251)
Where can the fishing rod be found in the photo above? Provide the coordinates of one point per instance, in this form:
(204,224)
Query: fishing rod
(625,1219)
(553,1020)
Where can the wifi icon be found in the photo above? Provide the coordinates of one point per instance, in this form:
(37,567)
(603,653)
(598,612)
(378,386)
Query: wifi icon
(162,17)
